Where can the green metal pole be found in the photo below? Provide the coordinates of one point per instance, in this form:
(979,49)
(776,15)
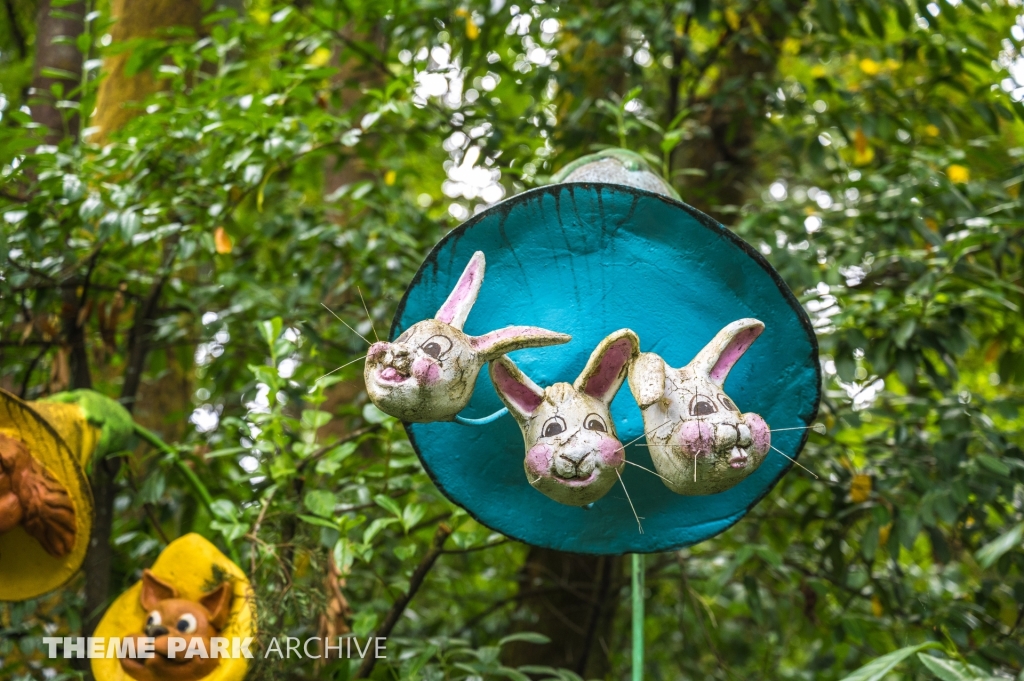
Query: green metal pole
(638,617)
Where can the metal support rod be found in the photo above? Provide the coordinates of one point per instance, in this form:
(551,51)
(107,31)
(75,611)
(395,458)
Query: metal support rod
(638,617)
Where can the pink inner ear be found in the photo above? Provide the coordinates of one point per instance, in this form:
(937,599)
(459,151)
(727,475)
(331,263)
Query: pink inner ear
(733,352)
(463,289)
(514,391)
(614,358)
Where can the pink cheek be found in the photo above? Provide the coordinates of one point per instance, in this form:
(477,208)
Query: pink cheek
(377,352)
(611,451)
(426,372)
(538,460)
(759,432)
(696,437)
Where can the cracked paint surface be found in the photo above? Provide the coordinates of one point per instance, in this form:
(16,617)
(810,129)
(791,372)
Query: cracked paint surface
(698,439)
(428,373)
(573,454)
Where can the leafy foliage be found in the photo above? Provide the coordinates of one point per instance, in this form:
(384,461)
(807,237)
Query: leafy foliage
(297,156)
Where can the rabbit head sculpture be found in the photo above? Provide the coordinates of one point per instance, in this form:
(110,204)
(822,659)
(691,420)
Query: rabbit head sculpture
(699,441)
(428,373)
(572,453)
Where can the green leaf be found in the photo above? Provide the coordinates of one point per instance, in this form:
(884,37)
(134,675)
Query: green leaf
(374,415)
(319,522)
(526,637)
(321,503)
(988,554)
(388,504)
(951,670)
(879,667)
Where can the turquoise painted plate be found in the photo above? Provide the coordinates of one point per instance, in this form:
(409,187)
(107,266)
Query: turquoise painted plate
(587,259)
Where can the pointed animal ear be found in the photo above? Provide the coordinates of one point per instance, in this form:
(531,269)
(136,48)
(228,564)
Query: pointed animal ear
(521,395)
(500,342)
(218,604)
(647,379)
(154,590)
(606,368)
(460,300)
(725,349)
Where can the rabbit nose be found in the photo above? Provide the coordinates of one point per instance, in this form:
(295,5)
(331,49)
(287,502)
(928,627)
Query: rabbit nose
(726,435)
(154,630)
(744,439)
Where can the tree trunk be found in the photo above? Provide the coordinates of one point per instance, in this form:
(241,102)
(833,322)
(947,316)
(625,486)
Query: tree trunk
(120,96)
(58,63)
(570,598)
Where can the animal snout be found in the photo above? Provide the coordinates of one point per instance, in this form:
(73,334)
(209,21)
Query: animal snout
(573,463)
(377,352)
(154,630)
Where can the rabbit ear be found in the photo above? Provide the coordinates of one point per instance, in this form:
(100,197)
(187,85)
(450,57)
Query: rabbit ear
(460,300)
(521,395)
(497,343)
(647,379)
(606,368)
(725,349)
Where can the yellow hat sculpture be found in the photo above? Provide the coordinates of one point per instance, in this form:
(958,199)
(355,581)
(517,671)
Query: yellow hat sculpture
(45,500)
(193,591)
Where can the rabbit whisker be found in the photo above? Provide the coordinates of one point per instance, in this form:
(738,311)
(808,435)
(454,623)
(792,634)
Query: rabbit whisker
(817,428)
(534,482)
(794,461)
(640,436)
(648,470)
(368,317)
(641,527)
(341,367)
(346,324)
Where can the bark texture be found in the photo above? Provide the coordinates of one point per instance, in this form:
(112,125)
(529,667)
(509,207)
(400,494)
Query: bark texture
(120,96)
(571,599)
(57,62)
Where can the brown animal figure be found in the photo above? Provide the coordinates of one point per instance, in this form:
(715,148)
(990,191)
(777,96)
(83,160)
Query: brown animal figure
(169,616)
(30,496)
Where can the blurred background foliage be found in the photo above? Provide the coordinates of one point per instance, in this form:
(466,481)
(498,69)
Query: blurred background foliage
(185,185)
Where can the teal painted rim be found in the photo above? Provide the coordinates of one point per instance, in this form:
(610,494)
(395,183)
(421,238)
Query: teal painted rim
(587,259)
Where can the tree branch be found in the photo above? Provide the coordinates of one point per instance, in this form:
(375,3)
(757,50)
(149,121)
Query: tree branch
(418,575)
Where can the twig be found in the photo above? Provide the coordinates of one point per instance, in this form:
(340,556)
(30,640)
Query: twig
(415,581)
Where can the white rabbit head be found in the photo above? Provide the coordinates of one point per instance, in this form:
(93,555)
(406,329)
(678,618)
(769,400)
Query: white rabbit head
(428,373)
(699,441)
(572,453)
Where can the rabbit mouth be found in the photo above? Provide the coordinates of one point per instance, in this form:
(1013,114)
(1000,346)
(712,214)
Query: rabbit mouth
(391,375)
(577,482)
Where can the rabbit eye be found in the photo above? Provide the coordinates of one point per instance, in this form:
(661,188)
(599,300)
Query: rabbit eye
(595,422)
(554,426)
(436,346)
(702,406)
(186,624)
(727,403)
(153,619)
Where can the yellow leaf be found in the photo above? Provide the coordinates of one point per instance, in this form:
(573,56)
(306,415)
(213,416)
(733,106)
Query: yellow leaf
(860,488)
(320,56)
(958,174)
(892,64)
(791,46)
(883,534)
(870,67)
(863,154)
(931,224)
(462,12)
(819,71)
(261,16)
(876,607)
(390,177)
(472,30)
(732,18)
(221,241)
(931,130)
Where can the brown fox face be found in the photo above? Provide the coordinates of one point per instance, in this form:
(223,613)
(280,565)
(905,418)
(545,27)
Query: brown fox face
(171,617)
(29,496)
